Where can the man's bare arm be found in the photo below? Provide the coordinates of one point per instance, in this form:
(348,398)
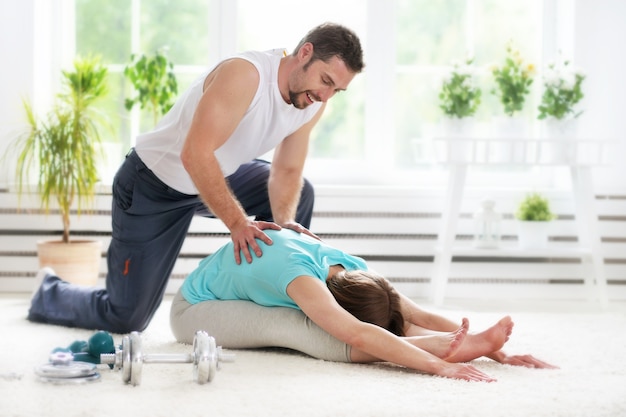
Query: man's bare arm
(285,181)
(228,91)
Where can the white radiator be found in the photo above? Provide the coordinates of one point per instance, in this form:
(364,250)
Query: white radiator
(395,230)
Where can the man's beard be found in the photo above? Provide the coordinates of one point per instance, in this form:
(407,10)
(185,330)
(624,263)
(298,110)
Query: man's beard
(298,104)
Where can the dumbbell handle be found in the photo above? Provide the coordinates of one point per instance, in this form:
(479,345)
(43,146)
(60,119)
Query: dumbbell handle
(184,357)
(206,358)
(168,358)
(109,358)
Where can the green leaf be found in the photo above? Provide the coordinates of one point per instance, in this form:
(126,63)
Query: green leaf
(154,83)
(62,145)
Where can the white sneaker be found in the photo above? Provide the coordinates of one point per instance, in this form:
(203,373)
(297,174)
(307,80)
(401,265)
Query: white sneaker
(41,275)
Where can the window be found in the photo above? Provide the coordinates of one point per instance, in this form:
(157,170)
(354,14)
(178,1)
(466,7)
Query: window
(409,45)
(114,29)
(430,37)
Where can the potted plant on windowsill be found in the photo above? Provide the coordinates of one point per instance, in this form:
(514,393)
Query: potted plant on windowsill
(62,149)
(534,216)
(513,80)
(562,92)
(459,98)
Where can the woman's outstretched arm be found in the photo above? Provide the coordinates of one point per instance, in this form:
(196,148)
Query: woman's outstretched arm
(319,305)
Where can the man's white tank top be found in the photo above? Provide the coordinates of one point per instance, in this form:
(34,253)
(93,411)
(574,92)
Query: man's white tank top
(265,124)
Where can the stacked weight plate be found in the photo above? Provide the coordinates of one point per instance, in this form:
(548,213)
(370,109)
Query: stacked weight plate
(61,369)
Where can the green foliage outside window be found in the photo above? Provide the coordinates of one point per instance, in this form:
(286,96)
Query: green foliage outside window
(154,82)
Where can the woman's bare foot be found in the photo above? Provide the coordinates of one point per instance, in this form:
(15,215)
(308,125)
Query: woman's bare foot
(481,344)
(442,345)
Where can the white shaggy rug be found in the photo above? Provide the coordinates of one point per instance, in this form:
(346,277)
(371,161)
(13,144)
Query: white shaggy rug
(589,347)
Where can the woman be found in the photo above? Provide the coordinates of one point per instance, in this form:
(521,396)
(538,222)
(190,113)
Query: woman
(305,295)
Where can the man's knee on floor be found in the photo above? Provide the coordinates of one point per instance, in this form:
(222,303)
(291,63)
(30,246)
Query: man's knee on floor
(129,322)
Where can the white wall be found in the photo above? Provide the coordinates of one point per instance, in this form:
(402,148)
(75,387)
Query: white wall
(17,69)
(37,42)
(599,37)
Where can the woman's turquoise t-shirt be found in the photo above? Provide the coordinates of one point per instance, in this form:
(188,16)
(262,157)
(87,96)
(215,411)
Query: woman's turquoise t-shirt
(265,280)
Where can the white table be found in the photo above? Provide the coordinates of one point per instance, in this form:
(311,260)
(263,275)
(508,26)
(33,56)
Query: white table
(579,155)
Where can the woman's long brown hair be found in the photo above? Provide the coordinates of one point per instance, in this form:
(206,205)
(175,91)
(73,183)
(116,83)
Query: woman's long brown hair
(369,297)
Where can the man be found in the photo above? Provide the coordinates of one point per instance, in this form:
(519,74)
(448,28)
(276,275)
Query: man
(200,160)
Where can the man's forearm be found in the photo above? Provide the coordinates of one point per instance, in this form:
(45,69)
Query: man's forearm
(284,194)
(215,193)
(223,204)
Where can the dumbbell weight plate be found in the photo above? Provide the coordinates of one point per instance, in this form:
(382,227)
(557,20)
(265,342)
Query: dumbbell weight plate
(136,358)
(213,359)
(74,380)
(205,358)
(69,370)
(125,362)
(67,373)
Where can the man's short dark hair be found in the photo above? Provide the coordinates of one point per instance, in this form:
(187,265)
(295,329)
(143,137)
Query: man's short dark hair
(332,39)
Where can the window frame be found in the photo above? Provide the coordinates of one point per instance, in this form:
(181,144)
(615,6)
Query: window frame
(379,112)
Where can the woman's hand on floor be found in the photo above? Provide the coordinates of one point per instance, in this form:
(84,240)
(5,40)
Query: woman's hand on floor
(465,372)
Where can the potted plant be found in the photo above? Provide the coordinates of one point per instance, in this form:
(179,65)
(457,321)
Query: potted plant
(513,80)
(459,98)
(62,149)
(534,216)
(562,91)
(154,83)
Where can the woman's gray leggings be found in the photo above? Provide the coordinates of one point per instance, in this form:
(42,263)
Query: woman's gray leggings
(244,324)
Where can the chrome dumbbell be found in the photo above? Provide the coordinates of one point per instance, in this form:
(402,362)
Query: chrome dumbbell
(206,358)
